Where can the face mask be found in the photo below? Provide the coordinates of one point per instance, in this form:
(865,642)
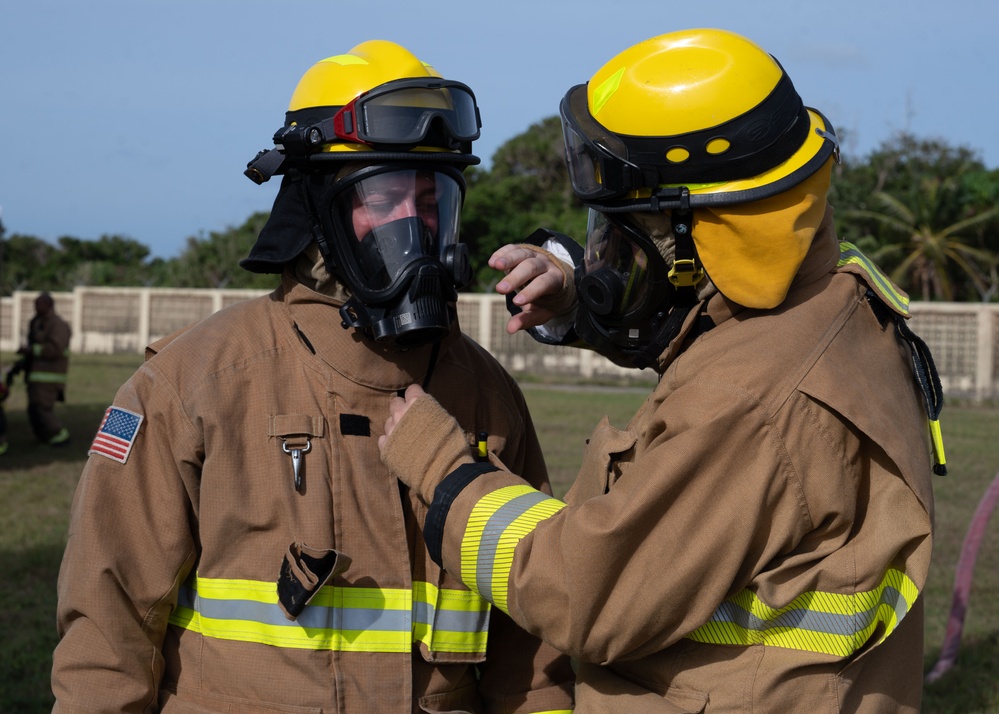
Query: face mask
(623,289)
(394,236)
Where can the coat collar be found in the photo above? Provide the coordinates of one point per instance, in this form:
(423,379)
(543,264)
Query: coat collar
(820,260)
(316,317)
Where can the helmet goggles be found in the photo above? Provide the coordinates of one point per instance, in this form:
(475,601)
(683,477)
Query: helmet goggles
(395,116)
(606,165)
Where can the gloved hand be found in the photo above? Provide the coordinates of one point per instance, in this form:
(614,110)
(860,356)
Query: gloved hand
(422,443)
(543,283)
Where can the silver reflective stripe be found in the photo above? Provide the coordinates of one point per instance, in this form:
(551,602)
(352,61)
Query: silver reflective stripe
(495,527)
(338,618)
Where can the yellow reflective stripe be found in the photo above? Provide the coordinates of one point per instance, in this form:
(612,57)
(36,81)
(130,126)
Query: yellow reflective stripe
(850,254)
(47,377)
(606,89)
(496,525)
(826,623)
(36,350)
(346,619)
(460,624)
(936,437)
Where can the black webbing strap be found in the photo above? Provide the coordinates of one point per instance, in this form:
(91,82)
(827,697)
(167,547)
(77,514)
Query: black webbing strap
(923,369)
(445,493)
(928,379)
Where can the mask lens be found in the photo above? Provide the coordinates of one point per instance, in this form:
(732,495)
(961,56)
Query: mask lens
(611,252)
(391,219)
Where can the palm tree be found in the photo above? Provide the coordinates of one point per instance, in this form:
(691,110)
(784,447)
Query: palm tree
(930,258)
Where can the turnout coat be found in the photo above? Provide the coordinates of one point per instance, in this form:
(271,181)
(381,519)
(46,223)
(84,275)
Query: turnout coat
(754,540)
(236,544)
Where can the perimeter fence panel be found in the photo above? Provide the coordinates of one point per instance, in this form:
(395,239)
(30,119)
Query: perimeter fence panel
(961,336)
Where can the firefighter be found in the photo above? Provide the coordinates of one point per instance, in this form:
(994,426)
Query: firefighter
(236,543)
(758,536)
(45,363)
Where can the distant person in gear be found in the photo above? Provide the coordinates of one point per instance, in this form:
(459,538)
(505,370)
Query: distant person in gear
(45,362)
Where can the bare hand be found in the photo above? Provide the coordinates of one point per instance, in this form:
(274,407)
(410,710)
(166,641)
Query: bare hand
(532,275)
(397,410)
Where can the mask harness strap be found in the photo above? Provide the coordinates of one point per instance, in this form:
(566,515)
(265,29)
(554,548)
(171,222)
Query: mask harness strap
(435,351)
(686,271)
(685,274)
(325,249)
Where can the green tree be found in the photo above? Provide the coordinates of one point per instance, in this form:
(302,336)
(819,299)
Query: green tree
(932,255)
(926,211)
(23,259)
(526,188)
(213,262)
(110,260)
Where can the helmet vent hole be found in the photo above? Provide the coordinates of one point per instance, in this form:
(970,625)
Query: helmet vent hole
(718,146)
(677,155)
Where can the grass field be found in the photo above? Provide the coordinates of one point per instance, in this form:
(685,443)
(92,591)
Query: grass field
(37,483)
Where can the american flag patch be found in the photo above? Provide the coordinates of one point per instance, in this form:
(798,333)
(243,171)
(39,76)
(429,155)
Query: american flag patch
(116,434)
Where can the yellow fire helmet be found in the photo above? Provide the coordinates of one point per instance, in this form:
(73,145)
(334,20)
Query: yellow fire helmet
(377,102)
(701,119)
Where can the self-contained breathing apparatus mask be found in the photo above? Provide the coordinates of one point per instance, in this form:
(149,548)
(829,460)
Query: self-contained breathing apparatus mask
(390,233)
(627,283)
(375,180)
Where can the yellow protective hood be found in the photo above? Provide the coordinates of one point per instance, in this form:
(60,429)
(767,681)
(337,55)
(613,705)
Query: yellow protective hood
(751,251)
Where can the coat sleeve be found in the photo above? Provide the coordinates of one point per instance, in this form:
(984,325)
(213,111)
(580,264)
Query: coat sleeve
(130,545)
(522,673)
(655,539)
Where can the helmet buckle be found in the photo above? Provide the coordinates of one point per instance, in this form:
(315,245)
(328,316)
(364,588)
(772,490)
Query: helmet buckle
(685,273)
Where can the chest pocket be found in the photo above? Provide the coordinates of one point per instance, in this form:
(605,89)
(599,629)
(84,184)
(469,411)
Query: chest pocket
(598,473)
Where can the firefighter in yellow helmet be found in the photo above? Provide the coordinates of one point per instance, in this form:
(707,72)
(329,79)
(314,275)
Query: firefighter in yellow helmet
(237,544)
(758,536)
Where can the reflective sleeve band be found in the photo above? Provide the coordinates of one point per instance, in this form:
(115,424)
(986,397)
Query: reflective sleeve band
(821,622)
(343,619)
(849,254)
(47,377)
(496,525)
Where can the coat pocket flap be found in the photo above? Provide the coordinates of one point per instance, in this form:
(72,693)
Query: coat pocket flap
(285,425)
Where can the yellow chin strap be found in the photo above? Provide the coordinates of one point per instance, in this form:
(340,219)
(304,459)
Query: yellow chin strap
(752,251)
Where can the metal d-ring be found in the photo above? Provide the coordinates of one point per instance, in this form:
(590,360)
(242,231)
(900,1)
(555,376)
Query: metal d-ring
(296,460)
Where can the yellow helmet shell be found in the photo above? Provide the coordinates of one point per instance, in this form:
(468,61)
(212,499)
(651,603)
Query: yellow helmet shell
(681,82)
(689,82)
(336,80)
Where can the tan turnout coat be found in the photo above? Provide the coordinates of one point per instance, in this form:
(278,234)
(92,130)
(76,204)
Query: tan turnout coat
(775,486)
(167,592)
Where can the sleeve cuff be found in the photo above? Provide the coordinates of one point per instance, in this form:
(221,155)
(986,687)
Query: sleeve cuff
(445,493)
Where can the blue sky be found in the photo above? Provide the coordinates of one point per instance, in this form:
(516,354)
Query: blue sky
(137,117)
